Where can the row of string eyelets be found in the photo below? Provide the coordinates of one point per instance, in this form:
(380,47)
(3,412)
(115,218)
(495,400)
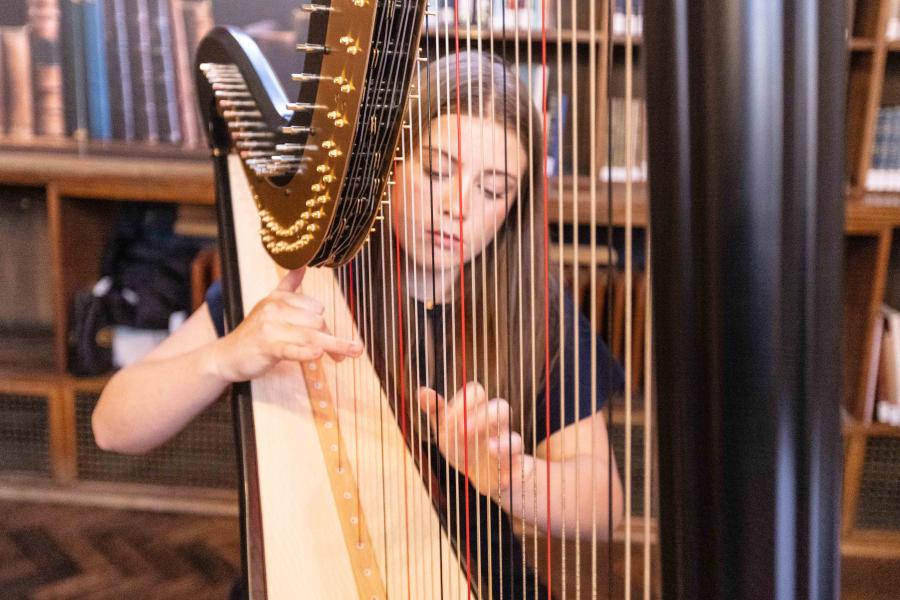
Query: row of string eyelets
(256,146)
(321,195)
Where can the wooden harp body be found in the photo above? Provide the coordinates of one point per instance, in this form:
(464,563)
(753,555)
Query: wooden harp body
(306,525)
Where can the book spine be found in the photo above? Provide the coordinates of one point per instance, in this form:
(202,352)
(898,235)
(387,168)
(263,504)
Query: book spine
(164,72)
(3,93)
(120,78)
(17,64)
(74,78)
(189,13)
(44,17)
(147,124)
(198,21)
(99,117)
(190,123)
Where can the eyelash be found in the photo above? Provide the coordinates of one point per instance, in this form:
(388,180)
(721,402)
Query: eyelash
(489,194)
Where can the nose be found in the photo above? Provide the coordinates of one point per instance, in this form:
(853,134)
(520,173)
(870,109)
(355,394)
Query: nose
(456,198)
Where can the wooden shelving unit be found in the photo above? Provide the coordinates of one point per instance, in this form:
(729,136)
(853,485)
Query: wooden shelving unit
(871,222)
(82,182)
(82,195)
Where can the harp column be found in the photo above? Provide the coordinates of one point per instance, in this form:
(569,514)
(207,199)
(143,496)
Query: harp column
(745,114)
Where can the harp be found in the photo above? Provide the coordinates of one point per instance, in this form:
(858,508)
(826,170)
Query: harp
(349,489)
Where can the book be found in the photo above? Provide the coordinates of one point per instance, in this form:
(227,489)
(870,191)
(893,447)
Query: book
(893,24)
(558,109)
(621,19)
(618,163)
(884,171)
(198,20)
(141,56)
(99,115)
(44,19)
(184,76)
(121,94)
(18,83)
(75,110)
(3,88)
(885,392)
(164,90)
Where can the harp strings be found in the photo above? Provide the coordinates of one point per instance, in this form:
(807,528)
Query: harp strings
(415,353)
(629,143)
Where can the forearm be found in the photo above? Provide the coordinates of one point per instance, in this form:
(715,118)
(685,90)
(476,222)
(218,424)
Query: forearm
(580,492)
(145,404)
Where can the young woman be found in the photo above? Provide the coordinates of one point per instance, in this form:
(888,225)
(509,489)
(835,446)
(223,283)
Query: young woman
(464,245)
(466,213)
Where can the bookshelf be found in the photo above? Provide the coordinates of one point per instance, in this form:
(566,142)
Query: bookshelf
(873,218)
(80,180)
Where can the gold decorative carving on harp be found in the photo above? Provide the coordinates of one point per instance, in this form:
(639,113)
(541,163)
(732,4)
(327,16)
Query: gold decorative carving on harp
(464,191)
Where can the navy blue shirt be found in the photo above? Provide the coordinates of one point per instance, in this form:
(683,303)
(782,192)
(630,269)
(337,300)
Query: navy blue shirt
(580,402)
(504,548)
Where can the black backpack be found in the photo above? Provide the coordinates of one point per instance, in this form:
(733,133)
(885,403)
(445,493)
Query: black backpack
(145,277)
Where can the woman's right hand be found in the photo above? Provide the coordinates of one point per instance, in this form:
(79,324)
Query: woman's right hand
(285,325)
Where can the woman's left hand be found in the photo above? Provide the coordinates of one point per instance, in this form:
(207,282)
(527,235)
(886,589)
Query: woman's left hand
(496,457)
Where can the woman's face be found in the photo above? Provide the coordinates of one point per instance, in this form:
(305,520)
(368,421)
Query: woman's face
(428,212)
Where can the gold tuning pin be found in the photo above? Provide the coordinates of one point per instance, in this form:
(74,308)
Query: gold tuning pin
(323,169)
(297,129)
(328,144)
(303,106)
(311,48)
(317,8)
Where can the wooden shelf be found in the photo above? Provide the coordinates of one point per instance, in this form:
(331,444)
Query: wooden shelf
(554,36)
(111,178)
(28,350)
(103,148)
(871,212)
(875,429)
(582,212)
(860,44)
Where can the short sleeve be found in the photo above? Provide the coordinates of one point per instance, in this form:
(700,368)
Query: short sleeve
(581,400)
(216,305)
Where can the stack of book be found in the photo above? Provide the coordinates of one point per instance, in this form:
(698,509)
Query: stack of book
(893,26)
(534,77)
(887,357)
(113,69)
(529,15)
(884,174)
(103,69)
(499,15)
(621,19)
(618,166)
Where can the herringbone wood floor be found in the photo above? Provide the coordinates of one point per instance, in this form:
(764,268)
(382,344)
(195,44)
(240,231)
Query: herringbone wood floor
(49,551)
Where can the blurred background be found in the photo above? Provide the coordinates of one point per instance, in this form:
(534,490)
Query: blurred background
(107,240)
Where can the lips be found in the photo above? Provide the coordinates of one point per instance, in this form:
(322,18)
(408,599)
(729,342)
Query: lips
(447,239)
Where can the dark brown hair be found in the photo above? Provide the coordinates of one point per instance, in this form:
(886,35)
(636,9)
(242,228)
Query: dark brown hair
(505,337)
